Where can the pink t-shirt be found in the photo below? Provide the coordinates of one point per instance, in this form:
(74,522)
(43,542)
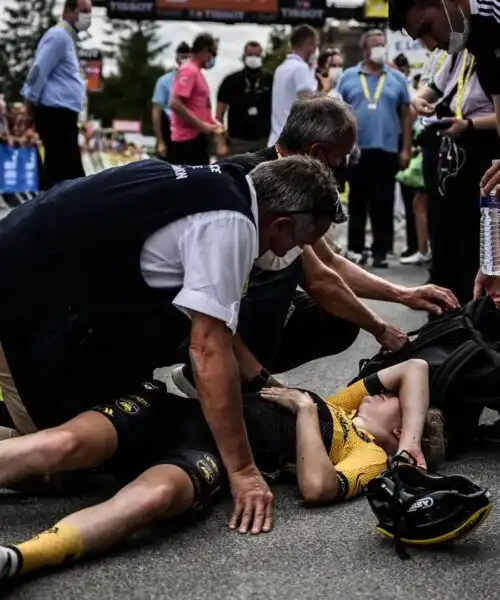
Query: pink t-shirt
(191,86)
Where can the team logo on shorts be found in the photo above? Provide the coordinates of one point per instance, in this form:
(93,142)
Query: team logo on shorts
(207,468)
(128,406)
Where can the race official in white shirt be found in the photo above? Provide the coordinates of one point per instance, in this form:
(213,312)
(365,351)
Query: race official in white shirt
(133,260)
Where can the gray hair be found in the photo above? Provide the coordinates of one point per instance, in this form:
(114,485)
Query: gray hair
(319,119)
(368,34)
(301,186)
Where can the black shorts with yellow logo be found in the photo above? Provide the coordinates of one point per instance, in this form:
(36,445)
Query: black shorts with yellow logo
(155,427)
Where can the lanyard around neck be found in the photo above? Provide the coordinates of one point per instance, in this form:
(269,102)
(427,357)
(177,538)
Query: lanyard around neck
(372,102)
(463,81)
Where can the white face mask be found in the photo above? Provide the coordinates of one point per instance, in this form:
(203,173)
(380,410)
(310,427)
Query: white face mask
(378,54)
(335,73)
(457,40)
(83,21)
(313,59)
(253,62)
(270,261)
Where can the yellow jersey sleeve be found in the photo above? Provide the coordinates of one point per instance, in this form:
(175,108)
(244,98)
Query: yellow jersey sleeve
(365,462)
(350,398)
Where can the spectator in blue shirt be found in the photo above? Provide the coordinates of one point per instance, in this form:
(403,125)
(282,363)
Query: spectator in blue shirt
(55,92)
(161,97)
(380,99)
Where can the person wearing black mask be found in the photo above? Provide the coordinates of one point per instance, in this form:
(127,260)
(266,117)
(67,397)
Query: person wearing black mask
(246,98)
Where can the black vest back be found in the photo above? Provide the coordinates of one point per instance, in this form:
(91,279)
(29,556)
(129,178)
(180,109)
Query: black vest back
(79,244)
(76,307)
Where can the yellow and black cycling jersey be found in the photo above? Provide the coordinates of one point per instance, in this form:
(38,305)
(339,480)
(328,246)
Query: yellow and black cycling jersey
(168,426)
(356,457)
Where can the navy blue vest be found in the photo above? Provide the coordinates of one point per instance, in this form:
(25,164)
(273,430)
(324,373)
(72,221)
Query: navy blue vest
(76,311)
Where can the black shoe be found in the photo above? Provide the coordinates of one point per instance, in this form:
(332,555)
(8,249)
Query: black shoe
(408,252)
(380,262)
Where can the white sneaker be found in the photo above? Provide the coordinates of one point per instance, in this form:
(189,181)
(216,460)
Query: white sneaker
(9,562)
(415,259)
(182,379)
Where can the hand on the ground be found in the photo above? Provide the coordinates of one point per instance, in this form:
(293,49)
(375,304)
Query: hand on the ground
(392,337)
(457,126)
(415,451)
(490,284)
(289,398)
(162,149)
(431,298)
(490,179)
(423,108)
(253,502)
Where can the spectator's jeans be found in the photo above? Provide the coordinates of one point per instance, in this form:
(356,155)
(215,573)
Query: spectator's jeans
(371,192)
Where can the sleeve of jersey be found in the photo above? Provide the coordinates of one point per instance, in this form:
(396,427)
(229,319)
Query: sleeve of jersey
(350,398)
(364,463)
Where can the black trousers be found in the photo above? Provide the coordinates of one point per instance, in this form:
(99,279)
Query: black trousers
(371,192)
(192,152)
(283,327)
(408,193)
(58,130)
(456,219)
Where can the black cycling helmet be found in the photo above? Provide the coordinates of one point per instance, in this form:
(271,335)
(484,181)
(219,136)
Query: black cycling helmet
(418,509)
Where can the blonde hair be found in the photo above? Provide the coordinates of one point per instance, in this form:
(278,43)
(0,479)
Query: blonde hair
(433,439)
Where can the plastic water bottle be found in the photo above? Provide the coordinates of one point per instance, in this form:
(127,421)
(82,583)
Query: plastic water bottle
(490,233)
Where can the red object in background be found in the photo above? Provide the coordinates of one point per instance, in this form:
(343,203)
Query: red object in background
(91,64)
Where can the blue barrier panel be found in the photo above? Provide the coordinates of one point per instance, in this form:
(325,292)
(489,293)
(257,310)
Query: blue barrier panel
(18,170)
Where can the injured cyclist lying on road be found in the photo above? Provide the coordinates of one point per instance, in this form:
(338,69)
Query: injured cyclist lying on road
(162,446)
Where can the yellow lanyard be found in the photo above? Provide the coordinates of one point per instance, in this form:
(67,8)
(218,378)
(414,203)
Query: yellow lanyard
(440,61)
(463,80)
(278,152)
(372,102)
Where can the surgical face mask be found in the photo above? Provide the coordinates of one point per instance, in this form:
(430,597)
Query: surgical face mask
(335,73)
(210,63)
(253,62)
(83,21)
(378,55)
(313,59)
(457,40)
(270,261)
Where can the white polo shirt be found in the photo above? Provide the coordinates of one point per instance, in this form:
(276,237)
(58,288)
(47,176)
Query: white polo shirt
(210,256)
(291,78)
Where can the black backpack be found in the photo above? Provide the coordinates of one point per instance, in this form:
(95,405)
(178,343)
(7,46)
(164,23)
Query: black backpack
(462,350)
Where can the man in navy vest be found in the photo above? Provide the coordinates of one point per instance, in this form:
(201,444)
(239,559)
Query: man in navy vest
(103,277)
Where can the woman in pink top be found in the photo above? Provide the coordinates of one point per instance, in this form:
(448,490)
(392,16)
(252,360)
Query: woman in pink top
(191,122)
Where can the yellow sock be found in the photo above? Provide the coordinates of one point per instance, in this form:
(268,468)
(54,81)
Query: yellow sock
(59,544)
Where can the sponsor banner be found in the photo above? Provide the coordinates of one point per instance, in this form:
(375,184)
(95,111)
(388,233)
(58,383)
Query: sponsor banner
(18,170)
(263,12)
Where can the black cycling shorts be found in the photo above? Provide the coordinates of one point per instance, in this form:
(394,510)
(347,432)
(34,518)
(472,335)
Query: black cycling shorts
(155,427)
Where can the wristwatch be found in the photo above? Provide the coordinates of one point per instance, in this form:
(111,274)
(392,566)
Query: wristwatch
(258,382)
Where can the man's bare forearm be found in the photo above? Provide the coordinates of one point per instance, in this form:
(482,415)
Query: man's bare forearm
(363,284)
(218,384)
(406,127)
(156,119)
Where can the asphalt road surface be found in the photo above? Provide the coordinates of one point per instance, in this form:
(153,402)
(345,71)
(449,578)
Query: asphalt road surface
(311,554)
